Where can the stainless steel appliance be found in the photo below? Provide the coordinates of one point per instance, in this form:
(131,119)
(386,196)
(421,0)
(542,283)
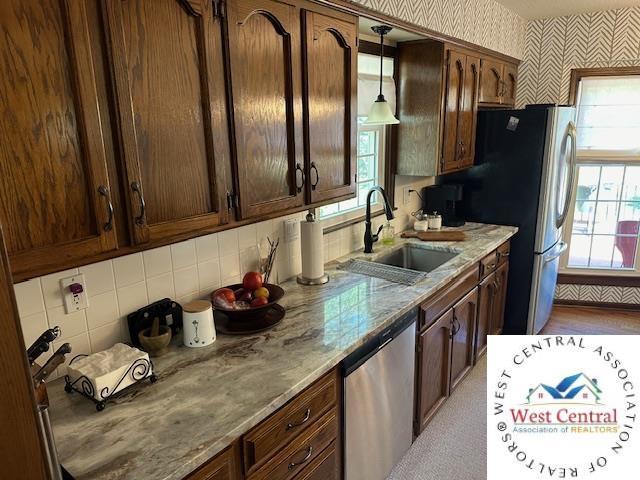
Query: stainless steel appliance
(378,401)
(523,176)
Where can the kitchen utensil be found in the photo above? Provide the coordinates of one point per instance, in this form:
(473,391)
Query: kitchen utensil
(437,235)
(312,251)
(54,362)
(199,330)
(155,340)
(168,311)
(41,345)
(273,248)
(227,326)
(253,313)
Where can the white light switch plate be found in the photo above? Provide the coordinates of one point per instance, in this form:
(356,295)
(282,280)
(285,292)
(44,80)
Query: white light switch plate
(74,301)
(291,231)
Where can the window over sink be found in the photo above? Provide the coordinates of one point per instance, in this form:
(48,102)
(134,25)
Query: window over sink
(605,221)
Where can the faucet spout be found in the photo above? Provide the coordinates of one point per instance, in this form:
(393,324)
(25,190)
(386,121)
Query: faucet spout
(369,237)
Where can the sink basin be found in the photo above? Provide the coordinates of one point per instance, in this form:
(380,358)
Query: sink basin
(416,258)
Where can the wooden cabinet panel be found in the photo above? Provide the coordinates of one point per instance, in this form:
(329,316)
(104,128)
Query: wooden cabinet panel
(434,369)
(486,302)
(167,62)
(468,113)
(454,98)
(225,466)
(330,66)
(463,337)
(491,81)
(503,252)
(488,264)
(279,429)
(53,164)
(510,84)
(502,275)
(264,54)
(325,467)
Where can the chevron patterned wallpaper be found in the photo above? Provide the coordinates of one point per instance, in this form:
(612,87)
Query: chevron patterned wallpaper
(554,46)
(482,22)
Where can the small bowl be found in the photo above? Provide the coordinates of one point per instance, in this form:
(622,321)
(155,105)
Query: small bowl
(252,313)
(155,346)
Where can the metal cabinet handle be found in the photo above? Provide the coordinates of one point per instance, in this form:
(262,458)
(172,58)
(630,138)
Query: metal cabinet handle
(104,191)
(304,460)
(455,326)
(315,169)
(299,169)
(504,254)
(139,220)
(307,416)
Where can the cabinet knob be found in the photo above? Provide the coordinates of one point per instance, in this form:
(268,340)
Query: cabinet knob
(315,169)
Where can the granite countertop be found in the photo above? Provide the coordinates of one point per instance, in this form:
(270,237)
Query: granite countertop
(205,398)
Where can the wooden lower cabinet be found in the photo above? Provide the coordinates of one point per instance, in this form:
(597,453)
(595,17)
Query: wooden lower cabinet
(502,276)
(463,337)
(325,467)
(486,302)
(225,466)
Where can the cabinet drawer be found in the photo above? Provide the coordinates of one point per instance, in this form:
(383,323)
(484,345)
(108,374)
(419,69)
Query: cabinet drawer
(222,467)
(503,252)
(288,422)
(488,264)
(431,309)
(302,451)
(325,467)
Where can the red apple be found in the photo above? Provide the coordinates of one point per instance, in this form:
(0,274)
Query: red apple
(252,281)
(224,293)
(259,302)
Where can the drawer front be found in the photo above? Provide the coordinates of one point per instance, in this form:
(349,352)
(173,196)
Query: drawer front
(290,421)
(503,253)
(222,467)
(488,264)
(325,467)
(433,308)
(302,451)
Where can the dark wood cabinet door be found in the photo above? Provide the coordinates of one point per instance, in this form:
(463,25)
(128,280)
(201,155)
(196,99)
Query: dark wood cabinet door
(486,301)
(491,86)
(331,51)
(434,369)
(468,113)
(266,77)
(502,276)
(168,69)
(53,167)
(510,84)
(454,98)
(463,336)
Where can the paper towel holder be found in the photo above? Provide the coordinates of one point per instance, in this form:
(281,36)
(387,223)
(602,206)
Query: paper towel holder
(312,281)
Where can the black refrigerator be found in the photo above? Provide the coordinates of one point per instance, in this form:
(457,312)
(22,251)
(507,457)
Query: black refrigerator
(523,176)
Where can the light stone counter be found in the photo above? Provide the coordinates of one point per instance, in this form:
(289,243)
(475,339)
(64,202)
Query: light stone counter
(205,398)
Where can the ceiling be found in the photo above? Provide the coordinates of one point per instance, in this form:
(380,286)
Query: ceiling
(532,9)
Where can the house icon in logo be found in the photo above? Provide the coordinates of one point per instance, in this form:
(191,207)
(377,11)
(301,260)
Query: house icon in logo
(578,388)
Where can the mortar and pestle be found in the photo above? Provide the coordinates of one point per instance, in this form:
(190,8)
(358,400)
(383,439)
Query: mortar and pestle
(155,340)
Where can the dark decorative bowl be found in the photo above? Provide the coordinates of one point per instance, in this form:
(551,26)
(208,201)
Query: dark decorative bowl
(252,313)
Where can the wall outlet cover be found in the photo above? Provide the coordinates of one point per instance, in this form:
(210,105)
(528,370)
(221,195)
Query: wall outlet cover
(406,195)
(74,292)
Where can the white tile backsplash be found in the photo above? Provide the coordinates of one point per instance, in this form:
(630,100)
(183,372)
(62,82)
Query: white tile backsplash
(207,247)
(229,266)
(71,324)
(100,277)
(160,287)
(102,309)
(157,261)
(183,254)
(128,270)
(186,280)
(228,242)
(33,326)
(51,287)
(29,297)
(208,275)
(132,297)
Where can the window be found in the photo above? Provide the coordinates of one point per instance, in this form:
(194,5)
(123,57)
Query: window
(371,139)
(605,219)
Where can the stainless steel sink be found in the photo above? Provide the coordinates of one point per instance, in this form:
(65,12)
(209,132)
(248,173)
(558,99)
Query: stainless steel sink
(416,258)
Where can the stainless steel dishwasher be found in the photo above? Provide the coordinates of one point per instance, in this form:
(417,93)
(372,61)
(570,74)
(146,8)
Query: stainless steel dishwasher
(378,401)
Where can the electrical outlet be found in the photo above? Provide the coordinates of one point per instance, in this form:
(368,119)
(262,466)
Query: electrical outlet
(74,291)
(291,230)
(406,195)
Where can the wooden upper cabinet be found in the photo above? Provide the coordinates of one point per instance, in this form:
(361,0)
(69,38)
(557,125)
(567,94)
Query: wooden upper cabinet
(54,189)
(498,82)
(168,68)
(510,84)
(463,336)
(265,56)
(330,76)
(469,112)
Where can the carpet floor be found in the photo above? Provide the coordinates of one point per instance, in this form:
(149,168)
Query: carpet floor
(453,447)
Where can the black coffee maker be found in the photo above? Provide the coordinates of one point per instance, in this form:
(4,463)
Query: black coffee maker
(444,200)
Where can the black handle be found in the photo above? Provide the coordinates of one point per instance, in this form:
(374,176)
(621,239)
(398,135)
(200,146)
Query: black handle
(299,169)
(307,416)
(139,220)
(304,460)
(104,191)
(455,327)
(315,169)
(41,345)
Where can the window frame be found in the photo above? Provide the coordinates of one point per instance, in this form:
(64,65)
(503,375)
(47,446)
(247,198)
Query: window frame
(596,158)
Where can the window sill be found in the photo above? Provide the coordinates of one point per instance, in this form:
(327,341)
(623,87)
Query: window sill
(609,279)
(351,221)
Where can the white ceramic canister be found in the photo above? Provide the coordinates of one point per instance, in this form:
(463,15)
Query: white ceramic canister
(198,329)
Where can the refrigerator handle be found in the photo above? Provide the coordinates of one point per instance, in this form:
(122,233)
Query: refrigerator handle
(562,246)
(571,134)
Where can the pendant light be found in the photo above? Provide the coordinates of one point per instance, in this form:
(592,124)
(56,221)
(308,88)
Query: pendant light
(380,113)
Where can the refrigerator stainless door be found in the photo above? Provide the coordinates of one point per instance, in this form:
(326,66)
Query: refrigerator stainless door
(378,407)
(557,177)
(543,287)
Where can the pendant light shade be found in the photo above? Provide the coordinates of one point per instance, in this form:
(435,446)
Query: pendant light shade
(380,112)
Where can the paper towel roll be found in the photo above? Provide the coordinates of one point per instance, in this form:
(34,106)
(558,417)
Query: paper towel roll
(312,249)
